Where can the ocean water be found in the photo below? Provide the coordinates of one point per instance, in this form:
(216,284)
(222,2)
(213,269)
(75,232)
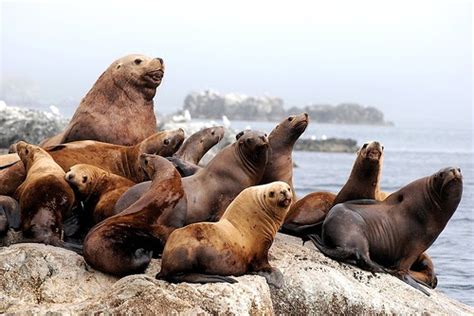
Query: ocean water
(411,151)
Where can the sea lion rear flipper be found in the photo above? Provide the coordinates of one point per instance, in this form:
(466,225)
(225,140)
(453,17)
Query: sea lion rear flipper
(13,217)
(405,277)
(196,278)
(338,254)
(73,247)
(302,231)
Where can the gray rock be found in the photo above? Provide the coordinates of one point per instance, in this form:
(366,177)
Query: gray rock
(36,278)
(28,125)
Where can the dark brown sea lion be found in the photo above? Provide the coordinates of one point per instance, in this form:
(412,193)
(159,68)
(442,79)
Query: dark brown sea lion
(211,190)
(389,236)
(363,183)
(97,189)
(237,244)
(11,176)
(282,139)
(9,214)
(45,197)
(119,107)
(123,244)
(120,160)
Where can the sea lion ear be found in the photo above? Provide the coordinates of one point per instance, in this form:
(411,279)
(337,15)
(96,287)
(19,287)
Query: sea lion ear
(55,148)
(239,135)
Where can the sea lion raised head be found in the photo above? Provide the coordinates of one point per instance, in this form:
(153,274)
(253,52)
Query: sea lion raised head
(445,188)
(196,145)
(164,143)
(118,109)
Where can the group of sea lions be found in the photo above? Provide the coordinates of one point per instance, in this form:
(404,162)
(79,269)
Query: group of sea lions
(117,191)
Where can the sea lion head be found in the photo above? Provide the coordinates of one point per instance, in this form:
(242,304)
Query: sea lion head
(446,187)
(164,143)
(26,152)
(83,177)
(211,135)
(143,72)
(152,165)
(278,194)
(253,147)
(371,151)
(289,130)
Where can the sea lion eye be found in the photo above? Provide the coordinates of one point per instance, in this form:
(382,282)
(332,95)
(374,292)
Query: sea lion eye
(118,66)
(365,145)
(213,133)
(167,141)
(272,194)
(290,119)
(137,61)
(249,141)
(84,179)
(383,148)
(27,151)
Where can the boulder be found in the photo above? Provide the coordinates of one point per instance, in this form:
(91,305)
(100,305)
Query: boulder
(35,278)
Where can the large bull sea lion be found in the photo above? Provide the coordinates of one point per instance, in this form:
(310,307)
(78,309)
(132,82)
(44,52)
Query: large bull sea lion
(389,236)
(118,109)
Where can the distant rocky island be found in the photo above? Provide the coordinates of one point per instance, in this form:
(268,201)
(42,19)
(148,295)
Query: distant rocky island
(210,104)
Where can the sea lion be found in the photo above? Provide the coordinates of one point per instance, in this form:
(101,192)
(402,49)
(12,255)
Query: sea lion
(11,176)
(120,160)
(9,214)
(212,188)
(119,107)
(389,236)
(97,188)
(282,139)
(187,157)
(237,244)
(124,243)
(45,197)
(308,213)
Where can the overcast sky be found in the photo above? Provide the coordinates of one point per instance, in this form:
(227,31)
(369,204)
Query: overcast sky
(411,59)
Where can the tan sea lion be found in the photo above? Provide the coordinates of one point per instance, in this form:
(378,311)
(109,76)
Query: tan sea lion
(119,107)
(124,243)
(120,160)
(45,197)
(389,236)
(97,188)
(237,244)
(213,188)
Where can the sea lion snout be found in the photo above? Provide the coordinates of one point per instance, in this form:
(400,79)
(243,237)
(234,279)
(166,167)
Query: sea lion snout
(373,150)
(285,198)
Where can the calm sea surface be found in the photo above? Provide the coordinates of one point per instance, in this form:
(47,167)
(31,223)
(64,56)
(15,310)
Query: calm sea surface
(412,151)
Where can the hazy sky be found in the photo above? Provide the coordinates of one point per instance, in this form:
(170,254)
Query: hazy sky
(411,59)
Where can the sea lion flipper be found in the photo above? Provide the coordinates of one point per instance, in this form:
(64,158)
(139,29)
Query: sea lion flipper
(274,277)
(184,168)
(197,278)
(302,230)
(405,277)
(13,217)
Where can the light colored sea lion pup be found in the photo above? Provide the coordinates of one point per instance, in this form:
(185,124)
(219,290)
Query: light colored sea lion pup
(237,244)
(45,197)
(118,109)
(97,188)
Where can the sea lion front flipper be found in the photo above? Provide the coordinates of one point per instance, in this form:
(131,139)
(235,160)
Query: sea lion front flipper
(197,278)
(184,168)
(274,277)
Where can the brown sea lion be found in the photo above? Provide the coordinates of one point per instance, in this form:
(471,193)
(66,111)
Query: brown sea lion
(9,214)
(389,236)
(211,190)
(97,188)
(11,176)
(282,139)
(237,244)
(45,197)
(123,244)
(120,160)
(363,183)
(119,107)
(187,157)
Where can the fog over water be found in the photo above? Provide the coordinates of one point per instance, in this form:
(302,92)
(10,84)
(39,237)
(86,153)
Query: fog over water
(413,60)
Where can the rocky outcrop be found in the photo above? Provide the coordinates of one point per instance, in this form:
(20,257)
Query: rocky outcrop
(333,145)
(36,278)
(345,113)
(28,125)
(211,104)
